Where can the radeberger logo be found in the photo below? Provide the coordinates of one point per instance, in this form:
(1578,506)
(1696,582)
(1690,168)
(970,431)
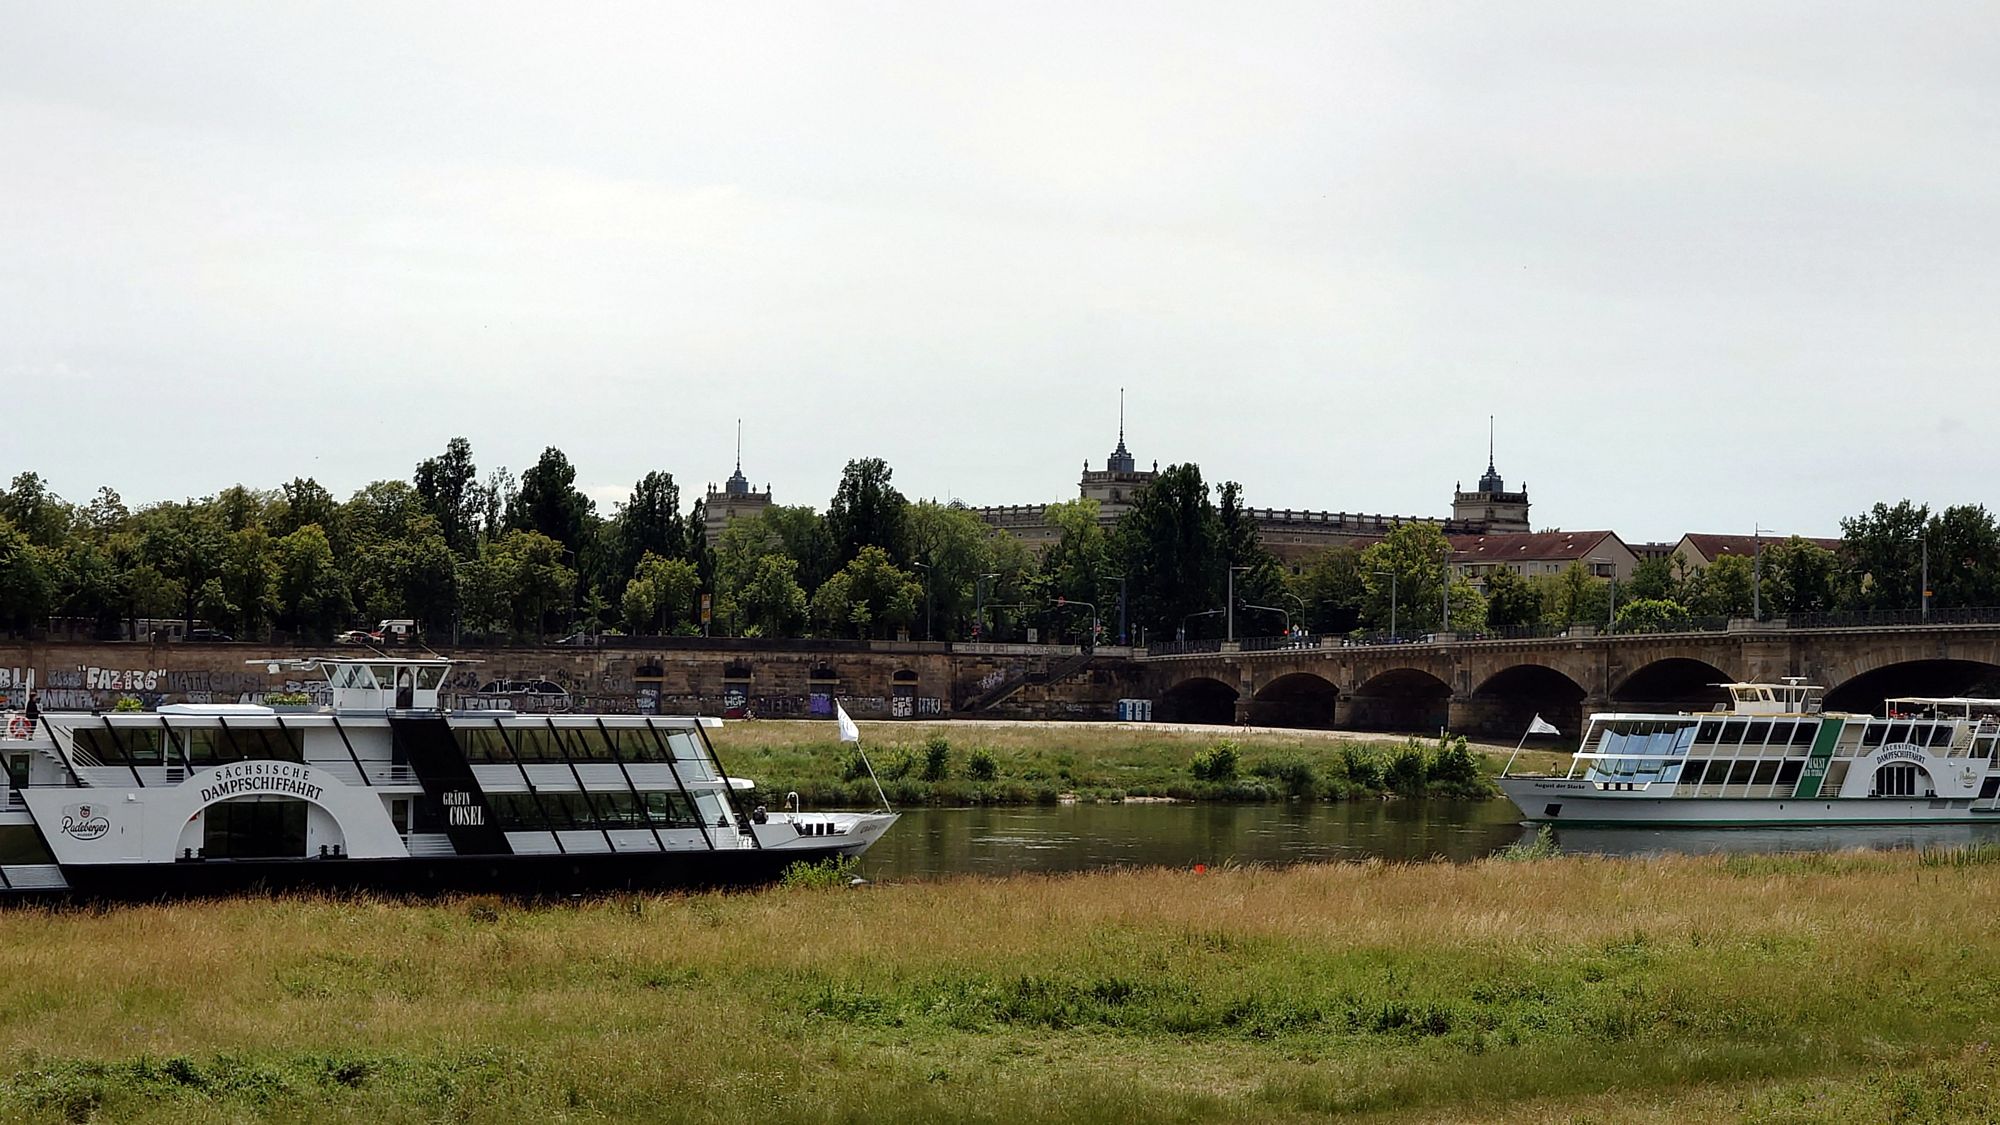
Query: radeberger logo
(84,822)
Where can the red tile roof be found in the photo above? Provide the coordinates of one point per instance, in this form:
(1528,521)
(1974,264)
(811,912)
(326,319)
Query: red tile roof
(1712,547)
(1539,546)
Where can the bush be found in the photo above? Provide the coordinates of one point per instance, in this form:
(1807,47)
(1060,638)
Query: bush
(1361,766)
(287,698)
(128,703)
(1296,775)
(833,871)
(1407,771)
(855,768)
(1453,766)
(937,758)
(980,766)
(1543,847)
(1217,763)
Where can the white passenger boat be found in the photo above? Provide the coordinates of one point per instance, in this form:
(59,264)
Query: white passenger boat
(383,789)
(1772,756)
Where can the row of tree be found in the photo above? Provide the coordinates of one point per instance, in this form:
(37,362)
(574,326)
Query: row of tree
(496,556)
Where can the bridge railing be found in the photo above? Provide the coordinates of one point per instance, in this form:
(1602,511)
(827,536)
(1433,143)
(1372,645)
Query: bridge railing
(1177,648)
(1861,619)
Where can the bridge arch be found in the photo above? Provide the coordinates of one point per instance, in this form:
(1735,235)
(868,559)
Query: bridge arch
(1201,699)
(1508,700)
(1676,683)
(1296,699)
(1865,690)
(1402,699)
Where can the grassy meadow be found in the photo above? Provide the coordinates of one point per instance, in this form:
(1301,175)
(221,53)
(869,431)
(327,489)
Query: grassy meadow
(1041,763)
(1794,989)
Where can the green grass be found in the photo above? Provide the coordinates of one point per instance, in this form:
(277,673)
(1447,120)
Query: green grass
(934,764)
(1565,989)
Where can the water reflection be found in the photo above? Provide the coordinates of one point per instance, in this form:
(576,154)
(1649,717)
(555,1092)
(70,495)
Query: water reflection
(993,841)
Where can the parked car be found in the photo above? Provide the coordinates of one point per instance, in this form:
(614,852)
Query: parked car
(208,635)
(356,637)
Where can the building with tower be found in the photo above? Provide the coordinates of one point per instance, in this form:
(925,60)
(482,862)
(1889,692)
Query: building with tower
(1491,506)
(734,500)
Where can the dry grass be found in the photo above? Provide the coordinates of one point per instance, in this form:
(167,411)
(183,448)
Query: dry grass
(1790,989)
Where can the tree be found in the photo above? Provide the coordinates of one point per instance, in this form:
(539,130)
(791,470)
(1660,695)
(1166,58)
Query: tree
(25,586)
(868,594)
(304,502)
(772,601)
(248,582)
(1262,579)
(1330,585)
(953,543)
(1798,577)
(377,513)
(671,584)
(40,516)
(1723,588)
(312,596)
(650,521)
(1169,546)
(1884,546)
(1074,565)
(184,543)
(1512,602)
(528,581)
(548,502)
(1651,615)
(447,487)
(1408,567)
(1652,580)
(867,511)
(1965,558)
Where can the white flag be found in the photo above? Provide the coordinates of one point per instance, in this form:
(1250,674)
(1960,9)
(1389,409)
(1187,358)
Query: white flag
(848,731)
(1540,726)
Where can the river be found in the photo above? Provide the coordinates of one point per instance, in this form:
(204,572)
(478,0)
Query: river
(1001,840)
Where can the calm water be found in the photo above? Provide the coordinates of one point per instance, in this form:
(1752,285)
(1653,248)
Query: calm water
(931,842)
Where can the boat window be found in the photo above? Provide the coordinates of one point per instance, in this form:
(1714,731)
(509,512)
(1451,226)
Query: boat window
(685,747)
(588,744)
(1739,772)
(1709,732)
(430,676)
(670,809)
(1756,734)
(22,843)
(1691,771)
(1872,736)
(1805,733)
(1781,733)
(1745,694)
(1788,772)
(99,744)
(1767,772)
(1941,734)
(531,744)
(617,810)
(638,745)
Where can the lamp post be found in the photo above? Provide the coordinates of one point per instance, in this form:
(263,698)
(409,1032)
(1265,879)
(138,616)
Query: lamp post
(1924,579)
(1392,601)
(927,597)
(1092,606)
(1122,638)
(1445,625)
(979,603)
(1757,572)
(1192,616)
(1231,604)
(1285,613)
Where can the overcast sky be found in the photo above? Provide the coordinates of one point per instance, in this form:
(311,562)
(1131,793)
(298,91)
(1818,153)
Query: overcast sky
(1712,265)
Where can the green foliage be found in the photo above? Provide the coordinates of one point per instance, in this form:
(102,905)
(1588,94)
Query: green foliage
(869,597)
(128,703)
(826,874)
(1169,546)
(287,698)
(1407,568)
(867,511)
(1217,763)
(937,758)
(1330,585)
(1651,615)
(1512,602)
(980,766)
(1543,846)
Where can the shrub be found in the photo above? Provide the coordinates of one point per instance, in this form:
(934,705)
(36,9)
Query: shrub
(833,871)
(1452,766)
(1217,763)
(128,703)
(980,766)
(287,698)
(1361,766)
(937,758)
(1296,775)
(1407,771)
(855,768)
(1542,847)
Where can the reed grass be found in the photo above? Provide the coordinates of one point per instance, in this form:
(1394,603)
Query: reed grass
(1560,989)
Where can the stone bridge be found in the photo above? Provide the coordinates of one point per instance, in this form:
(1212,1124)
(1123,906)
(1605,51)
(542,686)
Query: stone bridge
(1495,687)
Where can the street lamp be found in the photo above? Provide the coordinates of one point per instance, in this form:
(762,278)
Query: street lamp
(979,603)
(1924,594)
(1192,616)
(927,597)
(1285,613)
(1231,604)
(1392,601)
(1122,639)
(1093,615)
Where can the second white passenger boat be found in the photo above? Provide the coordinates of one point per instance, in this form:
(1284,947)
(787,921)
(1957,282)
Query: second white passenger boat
(1772,756)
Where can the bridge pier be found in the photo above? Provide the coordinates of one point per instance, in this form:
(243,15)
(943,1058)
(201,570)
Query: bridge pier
(1508,716)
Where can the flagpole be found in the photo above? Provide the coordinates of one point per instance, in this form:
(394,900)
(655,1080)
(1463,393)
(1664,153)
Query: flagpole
(849,732)
(1517,751)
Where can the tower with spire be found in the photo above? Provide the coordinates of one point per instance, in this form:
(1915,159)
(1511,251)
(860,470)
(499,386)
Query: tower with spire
(736,498)
(1121,481)
(1491,508)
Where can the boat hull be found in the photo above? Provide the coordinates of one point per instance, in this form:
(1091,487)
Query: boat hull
(1565,801)
(514,876)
